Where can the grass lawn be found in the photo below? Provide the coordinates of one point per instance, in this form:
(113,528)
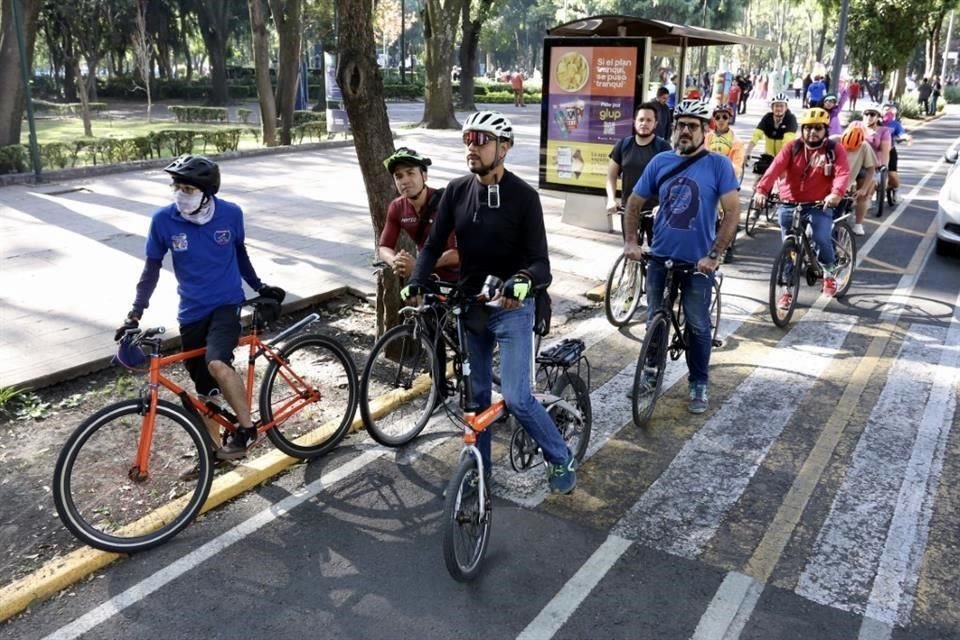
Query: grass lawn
(70,129)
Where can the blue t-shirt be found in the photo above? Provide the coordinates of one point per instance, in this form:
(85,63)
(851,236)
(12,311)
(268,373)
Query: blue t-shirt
(896,130)
(685,227)
(204,257)
(816,90)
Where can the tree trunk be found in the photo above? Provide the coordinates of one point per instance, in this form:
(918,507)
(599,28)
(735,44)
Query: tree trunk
(286,17)
(92,63)
(468,57)
(212,17)
(84,101)
(261,60)
(439,32)
(361,84)
(11,87)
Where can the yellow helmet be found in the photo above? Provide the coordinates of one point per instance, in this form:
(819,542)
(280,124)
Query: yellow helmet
(815,116)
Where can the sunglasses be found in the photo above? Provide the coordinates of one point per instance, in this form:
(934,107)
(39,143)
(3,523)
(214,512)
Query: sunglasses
(477,138)
(723,117)
(872,115)
(688,126)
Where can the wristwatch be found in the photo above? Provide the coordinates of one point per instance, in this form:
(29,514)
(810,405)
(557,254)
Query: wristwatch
(713,255)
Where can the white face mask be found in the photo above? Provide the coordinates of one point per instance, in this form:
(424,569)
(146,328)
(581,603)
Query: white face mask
(187,203)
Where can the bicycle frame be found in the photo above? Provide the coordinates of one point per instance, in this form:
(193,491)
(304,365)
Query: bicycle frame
(256,347)
(800,222)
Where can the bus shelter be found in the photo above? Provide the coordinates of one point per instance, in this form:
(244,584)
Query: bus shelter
(597,70)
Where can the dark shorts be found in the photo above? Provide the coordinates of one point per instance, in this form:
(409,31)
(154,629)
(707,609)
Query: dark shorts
(219,333)
(861,174)
(892,165)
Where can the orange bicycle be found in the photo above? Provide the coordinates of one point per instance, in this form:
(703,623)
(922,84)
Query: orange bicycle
(119,483)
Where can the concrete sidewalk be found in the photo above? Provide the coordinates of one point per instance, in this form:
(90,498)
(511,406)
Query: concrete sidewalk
(72,251)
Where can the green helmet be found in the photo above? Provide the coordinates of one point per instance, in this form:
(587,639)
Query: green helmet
(405,155)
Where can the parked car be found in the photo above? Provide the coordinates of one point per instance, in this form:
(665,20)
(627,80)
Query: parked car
(948,209)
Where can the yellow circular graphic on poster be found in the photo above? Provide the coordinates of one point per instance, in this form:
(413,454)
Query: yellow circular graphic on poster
(572,71)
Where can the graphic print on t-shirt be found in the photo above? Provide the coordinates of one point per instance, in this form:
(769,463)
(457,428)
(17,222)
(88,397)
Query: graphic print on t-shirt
(682,203)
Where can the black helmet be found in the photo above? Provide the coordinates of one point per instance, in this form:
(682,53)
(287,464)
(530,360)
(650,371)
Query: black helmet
(407,156)
(197,171)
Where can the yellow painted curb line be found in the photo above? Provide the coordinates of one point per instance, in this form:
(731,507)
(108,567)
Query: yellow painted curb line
(59,573)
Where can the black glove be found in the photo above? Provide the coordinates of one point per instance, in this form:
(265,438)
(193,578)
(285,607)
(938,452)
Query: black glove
(274,293)
(412,290)
(132,321)
(517,287)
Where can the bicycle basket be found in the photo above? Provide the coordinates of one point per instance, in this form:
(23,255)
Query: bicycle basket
(130,356)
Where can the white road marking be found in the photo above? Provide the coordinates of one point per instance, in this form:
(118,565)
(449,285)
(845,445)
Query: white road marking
(553,616)
(846,554)
(728,614)
(684,507)
(171,572)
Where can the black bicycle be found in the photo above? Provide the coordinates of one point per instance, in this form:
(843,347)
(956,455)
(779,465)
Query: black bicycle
(797,259)
(754,213)
(658,344)
(881,195)
(626,282)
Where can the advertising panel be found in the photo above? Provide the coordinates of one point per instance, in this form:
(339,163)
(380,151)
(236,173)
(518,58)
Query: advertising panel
(590,98)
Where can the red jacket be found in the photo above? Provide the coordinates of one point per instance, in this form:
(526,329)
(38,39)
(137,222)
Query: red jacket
(803,174)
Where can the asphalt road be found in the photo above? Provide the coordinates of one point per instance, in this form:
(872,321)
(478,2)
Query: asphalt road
(819,497)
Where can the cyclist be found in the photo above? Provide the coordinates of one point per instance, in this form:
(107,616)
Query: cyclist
(814,168)
(863,163)
(722,139)
(413,212)
(897,134)
(880,139)
(205,237)
(776,128)
(500,231)
(815,92)
(833,107)
(630,156)
(689,184)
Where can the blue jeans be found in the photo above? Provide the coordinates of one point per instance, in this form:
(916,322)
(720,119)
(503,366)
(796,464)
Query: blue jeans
(696,291)
(513,330)
(821,221)
(933,105)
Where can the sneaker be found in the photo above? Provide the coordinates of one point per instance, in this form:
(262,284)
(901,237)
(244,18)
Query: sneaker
(236,444)
(858,230)
(786,299)
(829,285)
(563,477)
(698,398)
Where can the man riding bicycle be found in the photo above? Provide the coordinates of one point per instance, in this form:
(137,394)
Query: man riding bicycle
(775,129)
(413,211)
(723,140)
(814,169)
(689,184)
(500,231)
(205,237)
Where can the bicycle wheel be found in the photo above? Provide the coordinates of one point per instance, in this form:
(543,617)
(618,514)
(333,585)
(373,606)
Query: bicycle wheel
(574,428)
(312,392)
(785,283)
(624,291)
(466,532)
(845,249)
(881,193)
(107,501)
(753,216)
(398,391)
(651,365)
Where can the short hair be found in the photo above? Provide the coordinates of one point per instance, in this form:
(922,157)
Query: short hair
(649,106)
(663,91)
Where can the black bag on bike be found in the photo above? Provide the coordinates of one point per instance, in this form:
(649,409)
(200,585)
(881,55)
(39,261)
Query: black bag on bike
(543,313)
(762,164)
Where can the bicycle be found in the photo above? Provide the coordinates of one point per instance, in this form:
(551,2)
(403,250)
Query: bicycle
(657,342)
(467,506)
(753,213)
(881,196)
(116,485)
(798,258)
(626,282)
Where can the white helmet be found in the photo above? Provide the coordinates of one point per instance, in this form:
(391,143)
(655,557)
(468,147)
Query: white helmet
(781,98)
(693,108)
(492,122)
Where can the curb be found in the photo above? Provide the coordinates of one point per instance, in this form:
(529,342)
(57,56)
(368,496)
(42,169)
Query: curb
(173,342)
(60,573)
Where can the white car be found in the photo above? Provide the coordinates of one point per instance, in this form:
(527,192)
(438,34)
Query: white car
(948,209)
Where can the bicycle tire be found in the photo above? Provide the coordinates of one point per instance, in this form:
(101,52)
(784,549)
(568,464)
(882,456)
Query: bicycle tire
(624,290)
(396,365)
(657,339)
(576,432)
(881,194)
(95,480)
(789,254)
(845,250)
(715,310)
(753,216)
(316,368)
(465,534)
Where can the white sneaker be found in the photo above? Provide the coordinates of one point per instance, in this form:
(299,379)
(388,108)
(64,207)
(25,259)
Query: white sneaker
(858,230)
